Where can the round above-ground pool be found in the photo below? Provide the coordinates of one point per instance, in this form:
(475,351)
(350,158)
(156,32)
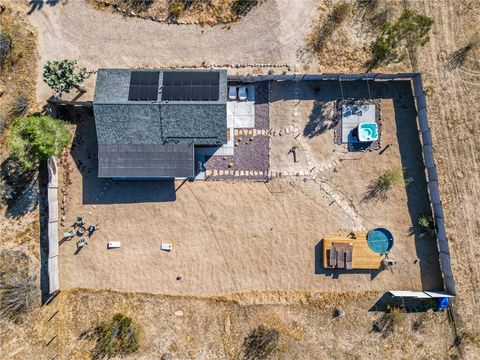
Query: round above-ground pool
(380,240)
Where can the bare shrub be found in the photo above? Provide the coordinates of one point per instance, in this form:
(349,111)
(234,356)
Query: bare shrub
(17,296)
(242,7)
(323,31)
(5,47)
(260,343)
(458,57)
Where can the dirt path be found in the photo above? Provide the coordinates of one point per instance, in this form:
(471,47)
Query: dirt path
(271,33)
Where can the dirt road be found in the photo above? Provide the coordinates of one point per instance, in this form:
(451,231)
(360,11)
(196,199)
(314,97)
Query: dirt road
(100,39)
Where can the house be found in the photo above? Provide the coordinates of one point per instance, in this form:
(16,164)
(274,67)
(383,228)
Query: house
(149,122)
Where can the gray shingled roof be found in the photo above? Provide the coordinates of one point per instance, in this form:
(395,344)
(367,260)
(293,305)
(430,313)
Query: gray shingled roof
(122,122)
(145,161)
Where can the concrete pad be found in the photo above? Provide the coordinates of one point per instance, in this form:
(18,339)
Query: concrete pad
(244,121)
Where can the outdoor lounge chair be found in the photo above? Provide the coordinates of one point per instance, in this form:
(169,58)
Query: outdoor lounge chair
(113,244)
(69,234)
(232,93)
(333,257)
(166,247)
(341,258)
(81,243)
(242,93)
(349,255)
(80,221)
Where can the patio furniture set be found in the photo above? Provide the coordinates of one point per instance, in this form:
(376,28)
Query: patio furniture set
(79,229)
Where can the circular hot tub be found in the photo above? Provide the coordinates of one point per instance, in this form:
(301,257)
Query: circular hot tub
(380,240)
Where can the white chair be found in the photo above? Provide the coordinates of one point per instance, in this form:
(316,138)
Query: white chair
(166,247)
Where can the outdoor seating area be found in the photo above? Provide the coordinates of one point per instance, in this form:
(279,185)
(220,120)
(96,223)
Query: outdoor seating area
(78,230)
(350,253)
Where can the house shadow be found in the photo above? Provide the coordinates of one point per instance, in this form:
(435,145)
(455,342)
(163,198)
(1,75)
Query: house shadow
(407,304)
(410,147)
(335,273)
(95,190)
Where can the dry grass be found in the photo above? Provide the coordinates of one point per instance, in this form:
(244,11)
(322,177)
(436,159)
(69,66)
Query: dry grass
(206,328)
(208,12)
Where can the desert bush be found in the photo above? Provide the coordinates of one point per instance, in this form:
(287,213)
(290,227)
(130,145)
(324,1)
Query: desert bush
(175,10)
(5,47)
(242,7)
(117,336)
(17,297)
(427,225)
(393,318)
(410,31)
(34,139)
(378,189)
(260,343)
(63,75)
(323,31)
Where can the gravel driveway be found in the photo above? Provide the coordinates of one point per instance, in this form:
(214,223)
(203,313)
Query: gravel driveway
(270,33)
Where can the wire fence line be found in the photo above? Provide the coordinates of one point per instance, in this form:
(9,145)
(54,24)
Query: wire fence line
(426,142)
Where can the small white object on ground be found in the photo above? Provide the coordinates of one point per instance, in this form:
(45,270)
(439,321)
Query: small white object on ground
(166,247)
(113,244)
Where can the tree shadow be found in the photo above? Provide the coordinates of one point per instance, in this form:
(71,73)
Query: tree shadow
(37,5)
(376,192)
(19,187)
(321,118)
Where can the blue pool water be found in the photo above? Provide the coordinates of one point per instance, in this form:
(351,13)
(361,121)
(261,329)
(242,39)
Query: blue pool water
(368,132)
(380,240)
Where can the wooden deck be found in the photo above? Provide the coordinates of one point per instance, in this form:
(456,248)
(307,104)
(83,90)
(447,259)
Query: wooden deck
(362,256)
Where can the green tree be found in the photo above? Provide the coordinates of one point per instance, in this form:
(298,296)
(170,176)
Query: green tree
(36,138)
(410,31)
(63,75)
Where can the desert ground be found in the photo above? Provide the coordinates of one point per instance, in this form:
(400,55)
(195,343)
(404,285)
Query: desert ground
(253,236)
(274,33)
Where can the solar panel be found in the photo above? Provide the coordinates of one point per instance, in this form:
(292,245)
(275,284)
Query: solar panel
(143,86)
(190,86)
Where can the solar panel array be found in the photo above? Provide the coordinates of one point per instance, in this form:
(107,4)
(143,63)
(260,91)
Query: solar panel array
(190,86)
(143,86)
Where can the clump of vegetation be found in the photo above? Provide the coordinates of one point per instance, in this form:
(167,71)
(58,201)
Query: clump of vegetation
(242,7)
(427,225)
(458,57)
(20,106)
(63,75)
(393,318)
(17,297)
(378,190)
(118,336)
(260,343)
(322,32)
(36,138)
(175,10)
(410,32)
(5,48)
(134,5)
